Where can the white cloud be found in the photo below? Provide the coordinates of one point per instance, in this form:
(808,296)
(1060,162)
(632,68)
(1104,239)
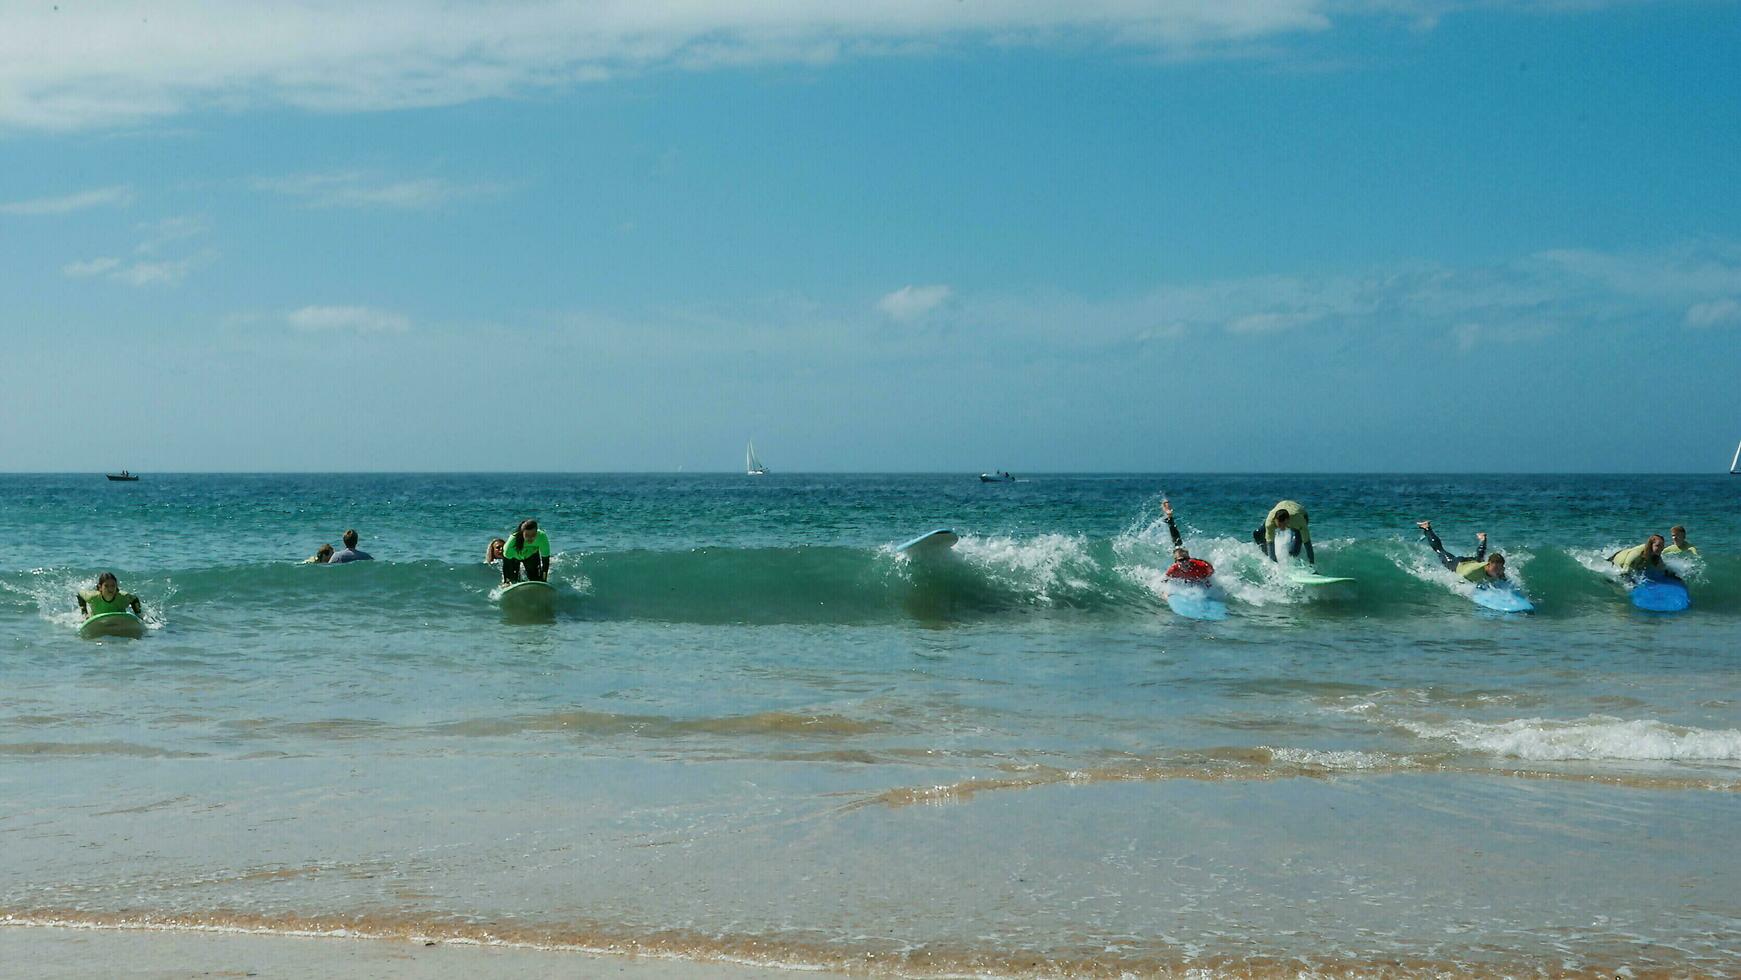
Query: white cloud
(101,197)
(168,231)
(80,65)
(1714,313)
(355,319)
(350,189)
(92,267)
(913,302)
(154,273)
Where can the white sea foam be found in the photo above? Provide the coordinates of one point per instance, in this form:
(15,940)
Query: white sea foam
(1145,550)
(1591,738)
(1043,565)
(1339,760)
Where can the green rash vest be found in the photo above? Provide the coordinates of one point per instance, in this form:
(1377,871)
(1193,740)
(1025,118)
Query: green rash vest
(539,546)
(1633,559)
(1297,520)
(1474,571)
(94,601)
(1675,549)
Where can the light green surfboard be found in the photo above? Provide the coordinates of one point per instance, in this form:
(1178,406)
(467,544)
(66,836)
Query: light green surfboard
(122,624)
(1303,575)
(529,597)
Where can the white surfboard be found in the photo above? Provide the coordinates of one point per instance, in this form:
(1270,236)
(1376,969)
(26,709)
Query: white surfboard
(930,543)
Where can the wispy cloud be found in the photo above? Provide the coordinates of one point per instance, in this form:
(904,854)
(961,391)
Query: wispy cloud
(912,302)
(101,197)
(1717,312)
(74,66)
(150,265)
(347,319)
(353,189)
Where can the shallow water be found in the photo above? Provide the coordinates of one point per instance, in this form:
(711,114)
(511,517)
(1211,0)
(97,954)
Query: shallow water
(751,730)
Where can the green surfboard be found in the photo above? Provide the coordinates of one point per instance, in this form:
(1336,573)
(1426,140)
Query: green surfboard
(538,598)
(123,624)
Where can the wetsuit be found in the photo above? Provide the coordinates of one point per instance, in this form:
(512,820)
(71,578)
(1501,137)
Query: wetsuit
(534,554)
(94,604)
(1636,560)
(1191,569)
(1298,523)
(1675,549)
(1473,568)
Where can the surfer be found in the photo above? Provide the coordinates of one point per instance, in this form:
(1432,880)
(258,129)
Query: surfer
(1478,568)
(321,556)
(1184,566)
(107,597)
(350,553)
(1287,517)
(1678,542)
(530,547)
(493,551)
(1643,560)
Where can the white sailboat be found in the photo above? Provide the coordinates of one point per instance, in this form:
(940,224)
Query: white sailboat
(1735,464)
(753,463)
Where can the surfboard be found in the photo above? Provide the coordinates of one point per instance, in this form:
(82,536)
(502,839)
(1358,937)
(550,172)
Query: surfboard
(123,624)
(929,543)
(1502,598)
(1660,595)
(529,597)
(1303,575)
(1195,601)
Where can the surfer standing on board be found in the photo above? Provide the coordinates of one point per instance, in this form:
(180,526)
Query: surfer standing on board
(107,597)
(1184,566)
(1478,568)
(1286,519)
(527,546)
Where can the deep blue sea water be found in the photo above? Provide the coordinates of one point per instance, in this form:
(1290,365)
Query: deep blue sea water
(750,729)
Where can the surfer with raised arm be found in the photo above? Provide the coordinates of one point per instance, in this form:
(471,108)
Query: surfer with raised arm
(527,546)
(1286,519)
(1479,568)
(1184,566)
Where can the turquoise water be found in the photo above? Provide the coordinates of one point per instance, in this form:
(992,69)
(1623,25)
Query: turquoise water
(750,729)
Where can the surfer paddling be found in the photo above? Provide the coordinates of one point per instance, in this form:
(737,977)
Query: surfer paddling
(1184,566)
(1643,560)
(1479,568)
(107,597)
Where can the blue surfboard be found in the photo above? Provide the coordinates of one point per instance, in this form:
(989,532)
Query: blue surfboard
(1659,594)
(1195,601)
(1502,598)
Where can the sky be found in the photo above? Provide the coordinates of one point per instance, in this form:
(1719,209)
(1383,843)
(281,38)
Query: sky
(881,235)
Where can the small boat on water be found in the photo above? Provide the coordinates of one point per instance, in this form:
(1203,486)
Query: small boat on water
(122,477)
(1001,476)
(753,463)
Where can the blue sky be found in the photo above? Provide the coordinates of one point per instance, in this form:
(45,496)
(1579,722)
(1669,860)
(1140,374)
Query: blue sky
(1264,235)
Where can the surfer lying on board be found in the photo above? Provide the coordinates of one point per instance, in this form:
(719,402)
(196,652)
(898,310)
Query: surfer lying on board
(321,556)
(1288,519)
(1478,568)
(1184,566)
(493,551)
(1678,542)
(527,546)
(1643,559)
(107,597)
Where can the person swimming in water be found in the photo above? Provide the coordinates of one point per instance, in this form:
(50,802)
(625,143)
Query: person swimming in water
(107,597)
(1184,566)
(350,553)
(493,550)
(1288,519)
(1479,568)
(527,546)
(1678,542)
(321,556)
(1643,560)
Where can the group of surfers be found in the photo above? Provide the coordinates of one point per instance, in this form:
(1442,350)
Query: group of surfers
(527,552)
(1288,520)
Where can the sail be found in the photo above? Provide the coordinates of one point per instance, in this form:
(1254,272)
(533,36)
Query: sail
(753,463)
(1735,464)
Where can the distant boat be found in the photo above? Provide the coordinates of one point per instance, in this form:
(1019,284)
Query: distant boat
(753,463)
(121,477)
(1735,464)
(1001,476)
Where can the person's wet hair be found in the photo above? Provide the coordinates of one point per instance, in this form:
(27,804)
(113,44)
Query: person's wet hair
(350,538)
(108,577)
(323,552)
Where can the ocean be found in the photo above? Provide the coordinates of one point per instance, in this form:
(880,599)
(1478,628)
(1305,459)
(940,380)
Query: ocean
(751,731)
